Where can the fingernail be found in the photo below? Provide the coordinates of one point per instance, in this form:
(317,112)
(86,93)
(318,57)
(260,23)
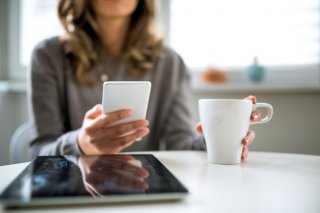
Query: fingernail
(145,123)
(247,141)
(129,112)
(144,132)
(138,139)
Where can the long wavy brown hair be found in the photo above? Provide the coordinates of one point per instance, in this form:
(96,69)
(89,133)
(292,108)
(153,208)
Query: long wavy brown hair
(83,44)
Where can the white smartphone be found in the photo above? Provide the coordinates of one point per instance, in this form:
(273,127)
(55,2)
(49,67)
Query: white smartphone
(119,95)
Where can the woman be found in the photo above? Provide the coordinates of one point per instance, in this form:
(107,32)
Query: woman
(108,40)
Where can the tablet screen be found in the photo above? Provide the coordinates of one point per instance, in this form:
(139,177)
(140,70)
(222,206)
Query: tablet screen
(87,179)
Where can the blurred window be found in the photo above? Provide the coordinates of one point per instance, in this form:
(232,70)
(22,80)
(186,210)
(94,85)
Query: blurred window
(232,32)
(205,32)
(39,20)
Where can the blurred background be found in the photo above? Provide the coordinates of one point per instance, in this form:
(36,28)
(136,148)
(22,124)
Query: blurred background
(266,48)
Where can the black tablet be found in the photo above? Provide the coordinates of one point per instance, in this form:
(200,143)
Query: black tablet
(58,180)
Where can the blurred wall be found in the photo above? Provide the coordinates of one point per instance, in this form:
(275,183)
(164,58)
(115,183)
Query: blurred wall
(13,112)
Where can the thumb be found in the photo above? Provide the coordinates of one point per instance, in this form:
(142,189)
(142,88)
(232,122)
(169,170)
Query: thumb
(251,98)
(94,111)
(199,128)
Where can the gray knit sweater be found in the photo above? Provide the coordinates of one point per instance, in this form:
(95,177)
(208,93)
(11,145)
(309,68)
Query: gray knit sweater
(58,103)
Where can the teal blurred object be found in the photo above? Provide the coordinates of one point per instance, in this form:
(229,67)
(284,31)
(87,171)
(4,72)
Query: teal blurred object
(255,73)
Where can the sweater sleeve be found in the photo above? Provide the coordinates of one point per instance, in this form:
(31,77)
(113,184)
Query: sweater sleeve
(179,131)
(46,104)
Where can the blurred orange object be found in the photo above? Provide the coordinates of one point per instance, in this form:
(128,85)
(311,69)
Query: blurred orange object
(213,75)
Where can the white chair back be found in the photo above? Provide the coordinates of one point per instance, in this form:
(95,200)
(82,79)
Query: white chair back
(19,144)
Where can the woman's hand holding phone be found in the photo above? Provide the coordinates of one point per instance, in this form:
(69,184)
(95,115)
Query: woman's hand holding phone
(98,135)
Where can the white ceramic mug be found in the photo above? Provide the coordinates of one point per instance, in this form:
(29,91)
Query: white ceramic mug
(225,122)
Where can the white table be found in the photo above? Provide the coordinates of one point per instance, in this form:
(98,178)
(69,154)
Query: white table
(266,182)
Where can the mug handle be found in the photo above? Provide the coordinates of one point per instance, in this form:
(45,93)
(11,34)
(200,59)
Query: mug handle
(269,113)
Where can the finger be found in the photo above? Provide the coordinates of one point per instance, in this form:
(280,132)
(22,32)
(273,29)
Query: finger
(137,136)
(106,160)
(123,163)
(244,154)
(132,183)
(255,116)
(118,144)
(106,119)
(249,138)
(138,171)
(119,115)
(122,129)
(138,164)
(94,111)
(251,98)
(199,128)
(124,158)
(96,123)
(126,180)
(92,190)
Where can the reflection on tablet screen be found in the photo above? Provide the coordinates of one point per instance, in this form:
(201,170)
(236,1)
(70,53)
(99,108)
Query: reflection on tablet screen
(91,176)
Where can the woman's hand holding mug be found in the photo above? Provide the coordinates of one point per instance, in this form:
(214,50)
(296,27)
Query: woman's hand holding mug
(226,120)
